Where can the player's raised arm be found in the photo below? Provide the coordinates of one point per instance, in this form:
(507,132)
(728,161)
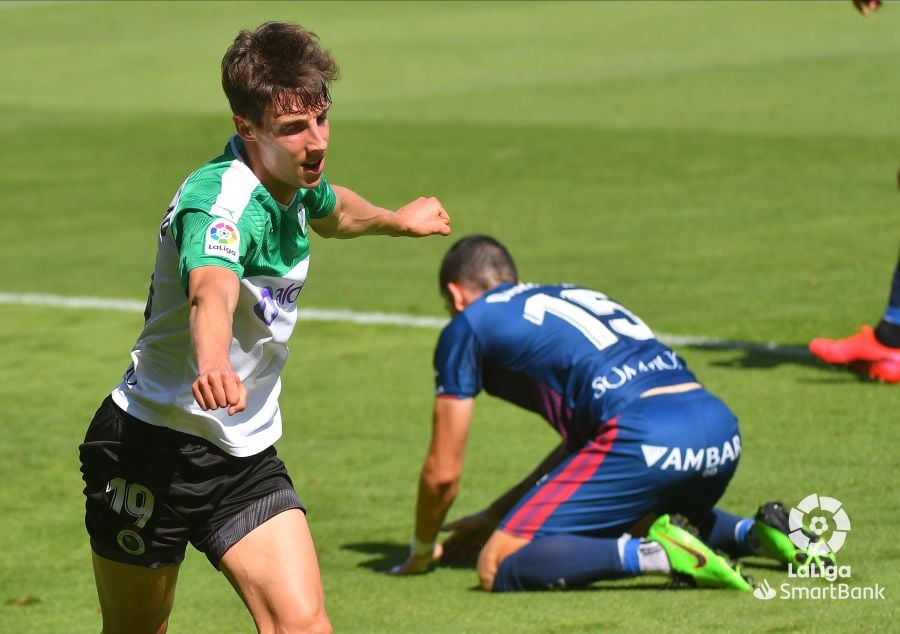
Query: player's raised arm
(439,480)
(354,216)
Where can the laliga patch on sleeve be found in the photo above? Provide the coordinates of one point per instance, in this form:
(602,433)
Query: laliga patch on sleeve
(223,239)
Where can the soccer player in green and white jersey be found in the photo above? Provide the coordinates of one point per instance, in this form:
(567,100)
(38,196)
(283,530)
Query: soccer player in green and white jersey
(182,450)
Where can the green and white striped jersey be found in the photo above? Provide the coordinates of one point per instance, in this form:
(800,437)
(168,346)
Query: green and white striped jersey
(223,216)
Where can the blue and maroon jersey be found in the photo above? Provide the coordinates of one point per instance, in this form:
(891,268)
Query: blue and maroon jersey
(568,353)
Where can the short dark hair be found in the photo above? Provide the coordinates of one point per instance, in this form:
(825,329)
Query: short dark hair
(478,262)
(279,64)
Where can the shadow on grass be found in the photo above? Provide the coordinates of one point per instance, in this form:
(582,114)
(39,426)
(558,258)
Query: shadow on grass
(600,586)
(389,554)
(768,356)
(762,565)
(385,554)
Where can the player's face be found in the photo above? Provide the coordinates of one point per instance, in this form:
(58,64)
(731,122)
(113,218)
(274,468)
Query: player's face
(290,150)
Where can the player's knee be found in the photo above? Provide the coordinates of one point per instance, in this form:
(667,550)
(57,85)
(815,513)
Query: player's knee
(498,547)
(317,623)
(488,563)
(293,617)
(301,621)
(486,576)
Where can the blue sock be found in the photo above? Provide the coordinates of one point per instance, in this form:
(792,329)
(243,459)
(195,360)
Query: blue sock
(728,533)
(892,313)
(566,561)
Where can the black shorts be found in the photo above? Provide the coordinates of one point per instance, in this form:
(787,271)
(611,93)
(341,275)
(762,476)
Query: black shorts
(151,490)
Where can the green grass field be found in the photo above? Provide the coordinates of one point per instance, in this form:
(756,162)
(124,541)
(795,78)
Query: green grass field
(725,169)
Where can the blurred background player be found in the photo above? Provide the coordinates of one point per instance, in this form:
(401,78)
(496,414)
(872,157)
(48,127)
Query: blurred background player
(874,352)
(866,7)
(182,451)
(641,439)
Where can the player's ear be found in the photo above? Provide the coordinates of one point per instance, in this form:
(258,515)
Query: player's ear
(243,128)
(458,296)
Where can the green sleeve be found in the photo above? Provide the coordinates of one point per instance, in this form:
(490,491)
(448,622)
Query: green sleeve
(206,240)
(320,201)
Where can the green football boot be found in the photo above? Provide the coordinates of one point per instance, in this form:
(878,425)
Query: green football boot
(771,531)
(692,561)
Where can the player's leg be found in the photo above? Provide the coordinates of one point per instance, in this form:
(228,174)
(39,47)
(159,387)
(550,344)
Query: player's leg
(888,329)
(573,561)
(567,532)
(691,450)
(510,564)
(770,537)
(137,539)
(887,332)
(500,546)
(535,547)
(532,548)
(576,518)
(864,346)
(134,599)
(726,532)
(873,352)
(259,538)
(275,571)
(698,530)
(766,534)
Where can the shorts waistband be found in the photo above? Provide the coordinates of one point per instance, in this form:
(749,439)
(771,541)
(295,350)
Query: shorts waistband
(136,430)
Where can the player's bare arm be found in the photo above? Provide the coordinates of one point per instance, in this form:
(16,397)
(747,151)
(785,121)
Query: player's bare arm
(470,533)
(354,216)
(439,480)
(212,297)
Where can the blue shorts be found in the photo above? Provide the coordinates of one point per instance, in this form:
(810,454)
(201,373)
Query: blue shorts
(672,453)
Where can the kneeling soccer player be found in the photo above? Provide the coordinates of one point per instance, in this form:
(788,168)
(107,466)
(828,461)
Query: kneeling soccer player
(642,440)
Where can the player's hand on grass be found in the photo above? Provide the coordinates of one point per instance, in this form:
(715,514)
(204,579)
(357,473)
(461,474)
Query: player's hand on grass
(220,387)
(469,535)
(866,6)
(417,564)
(423,217)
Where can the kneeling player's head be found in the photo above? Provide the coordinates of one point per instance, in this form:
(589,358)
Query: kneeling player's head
(281,66)
(478,263)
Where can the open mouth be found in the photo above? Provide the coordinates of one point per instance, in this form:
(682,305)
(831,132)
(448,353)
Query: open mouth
(314,167)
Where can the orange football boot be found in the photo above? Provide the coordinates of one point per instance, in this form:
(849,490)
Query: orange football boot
(863,346)
(884,371)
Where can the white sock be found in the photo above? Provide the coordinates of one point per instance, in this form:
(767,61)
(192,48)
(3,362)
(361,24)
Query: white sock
(652,558)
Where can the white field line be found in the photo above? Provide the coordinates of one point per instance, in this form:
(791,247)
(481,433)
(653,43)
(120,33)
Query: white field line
(375,319)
